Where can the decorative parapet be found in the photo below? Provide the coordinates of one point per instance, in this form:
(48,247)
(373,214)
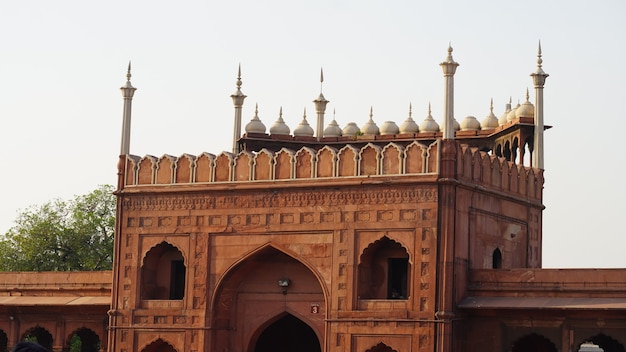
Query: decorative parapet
(497,173)
(285,164)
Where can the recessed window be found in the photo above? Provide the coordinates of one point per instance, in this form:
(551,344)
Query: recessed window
(384,271)
(163,273)
(496,259)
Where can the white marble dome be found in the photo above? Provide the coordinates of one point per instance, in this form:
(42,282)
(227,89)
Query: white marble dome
(470,123)
(351,129)
(332,130)
(255,125)
(389,127)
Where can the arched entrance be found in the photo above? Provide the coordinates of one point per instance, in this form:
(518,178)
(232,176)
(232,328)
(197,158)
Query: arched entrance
(267,283)
(608,343)
(287,334)
(533,342)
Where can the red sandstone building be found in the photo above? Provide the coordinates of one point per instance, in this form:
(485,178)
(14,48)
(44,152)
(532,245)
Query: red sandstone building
(374,239)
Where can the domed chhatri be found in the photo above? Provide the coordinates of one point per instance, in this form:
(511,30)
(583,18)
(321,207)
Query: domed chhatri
(527,109)
(280,127)
(470,123)
(429,124)
(389,128)
(511,115)
(409,125)
(255,125)
(303,129)
(490,121)
(333,129)
(507,109)
(351,129)
(370,128)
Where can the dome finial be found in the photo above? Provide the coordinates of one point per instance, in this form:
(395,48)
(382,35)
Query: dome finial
(239,76)
(539,60)
(371,112)
(527,96)
(410,110)
(491,106)
(128,75)
(321,79)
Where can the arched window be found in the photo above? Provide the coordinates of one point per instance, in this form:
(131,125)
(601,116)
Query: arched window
(40,336)
(496,259)
(384,271)
(84,340)
(163,273)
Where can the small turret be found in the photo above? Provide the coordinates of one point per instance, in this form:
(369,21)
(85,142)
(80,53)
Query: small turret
(238,98)
(127,92)
(449,68)
(320,108)
(539,79)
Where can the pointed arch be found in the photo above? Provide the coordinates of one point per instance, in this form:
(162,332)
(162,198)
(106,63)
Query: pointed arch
(285,331)
(83,339)
(233,267)
(496,259)
(392,159)
(259,272)
(40,335)
(533,342)
(159,345)
(163,273)
(381,347)
(606,342)
(326,162)
(384,270)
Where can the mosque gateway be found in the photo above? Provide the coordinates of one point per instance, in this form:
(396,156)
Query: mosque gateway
(416,235)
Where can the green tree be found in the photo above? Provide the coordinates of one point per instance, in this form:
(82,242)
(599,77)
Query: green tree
(62,235)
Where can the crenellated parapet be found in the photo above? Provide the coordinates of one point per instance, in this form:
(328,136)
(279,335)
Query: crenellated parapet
(284,164)
(498,173)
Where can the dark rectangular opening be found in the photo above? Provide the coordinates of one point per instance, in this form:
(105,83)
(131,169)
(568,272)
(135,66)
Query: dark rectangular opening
(397,284)
(177,280)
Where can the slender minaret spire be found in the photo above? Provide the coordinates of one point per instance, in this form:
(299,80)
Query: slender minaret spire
(127,92)
(238,98)
(320,107)
(539,79)
(449,68)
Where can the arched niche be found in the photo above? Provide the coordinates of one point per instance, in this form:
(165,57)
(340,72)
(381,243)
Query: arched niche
(384,271)
(163,273)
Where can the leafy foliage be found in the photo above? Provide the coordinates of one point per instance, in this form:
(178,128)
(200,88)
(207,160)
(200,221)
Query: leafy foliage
(63,235)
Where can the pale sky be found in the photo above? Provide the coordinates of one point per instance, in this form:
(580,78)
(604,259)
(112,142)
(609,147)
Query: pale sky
(63,62)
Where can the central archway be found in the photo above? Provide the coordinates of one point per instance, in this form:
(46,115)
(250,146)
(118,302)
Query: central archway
(268,282)
(287,334)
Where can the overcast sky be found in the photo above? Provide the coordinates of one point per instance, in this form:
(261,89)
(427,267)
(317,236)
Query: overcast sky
(63,62)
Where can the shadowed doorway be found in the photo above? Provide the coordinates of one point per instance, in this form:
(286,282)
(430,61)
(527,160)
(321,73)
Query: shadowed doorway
(288,334)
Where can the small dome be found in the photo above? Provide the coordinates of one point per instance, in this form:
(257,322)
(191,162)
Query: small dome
(255,125)
(409,125)
(370,128)
(490,121)
(527,109)
(511,115)
(502,119)
(333,129)
(389,127)
(280,127)
(303,129)
(456,125)
(351,129)
(429,124)
(470,124)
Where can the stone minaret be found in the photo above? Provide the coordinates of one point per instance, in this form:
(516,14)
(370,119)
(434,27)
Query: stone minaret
(449,68)
(127,92)
(320,107)
(238,98)
(539,79)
